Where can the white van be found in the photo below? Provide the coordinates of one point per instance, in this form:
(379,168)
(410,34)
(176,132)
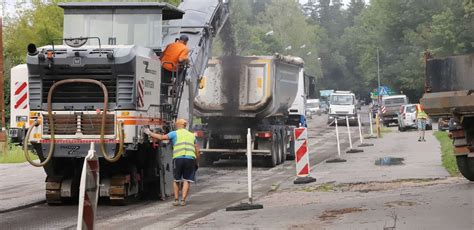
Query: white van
(312,107)
(342,104)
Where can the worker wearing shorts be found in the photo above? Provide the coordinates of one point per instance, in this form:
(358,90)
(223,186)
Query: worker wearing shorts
(421,118)
(185,158)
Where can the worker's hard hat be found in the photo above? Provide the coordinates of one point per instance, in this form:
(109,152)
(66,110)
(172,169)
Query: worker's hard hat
(181,122)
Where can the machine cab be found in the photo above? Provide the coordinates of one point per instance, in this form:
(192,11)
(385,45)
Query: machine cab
(124,23)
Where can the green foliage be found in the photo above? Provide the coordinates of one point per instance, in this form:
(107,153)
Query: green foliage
(447,150)
(14,154)
(403,30)
(253,21)
(338,44)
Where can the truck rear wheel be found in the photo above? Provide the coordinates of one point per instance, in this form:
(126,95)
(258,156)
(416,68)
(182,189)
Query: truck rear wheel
(272,160)
(466,166)
(206,160)
(278,149)
(283,143)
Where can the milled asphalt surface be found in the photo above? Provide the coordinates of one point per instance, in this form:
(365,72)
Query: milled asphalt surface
(360,195)
(20,185)
(218,187)
(352,195)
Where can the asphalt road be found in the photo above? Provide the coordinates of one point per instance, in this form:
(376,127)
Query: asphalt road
(359,194)
(216,188)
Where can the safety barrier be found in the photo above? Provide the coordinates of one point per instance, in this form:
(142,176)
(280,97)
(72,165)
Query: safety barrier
(338,159)
(302,156)
(351,149)
(250,205)
(88,191)
(362,144)
(371,135)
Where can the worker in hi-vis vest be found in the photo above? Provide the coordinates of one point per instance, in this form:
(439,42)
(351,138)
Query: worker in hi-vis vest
(421,118)
(185,158)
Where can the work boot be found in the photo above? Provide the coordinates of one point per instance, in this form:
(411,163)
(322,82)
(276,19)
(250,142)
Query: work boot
(176,203)
(183,203)
(419,139)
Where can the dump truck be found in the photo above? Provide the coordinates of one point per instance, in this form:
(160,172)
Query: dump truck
(449,94)
(101,84)
(253,92)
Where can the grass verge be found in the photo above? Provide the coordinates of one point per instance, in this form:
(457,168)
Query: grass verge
(14,154)
(447,148)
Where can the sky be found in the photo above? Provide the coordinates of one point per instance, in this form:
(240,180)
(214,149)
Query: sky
(346,2)
(8,6)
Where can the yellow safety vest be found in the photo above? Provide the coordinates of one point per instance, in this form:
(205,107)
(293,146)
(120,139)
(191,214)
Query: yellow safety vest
(420,113)
(184,145)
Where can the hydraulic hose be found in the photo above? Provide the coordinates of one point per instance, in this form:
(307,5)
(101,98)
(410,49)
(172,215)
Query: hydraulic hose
(25,148)
(102,127)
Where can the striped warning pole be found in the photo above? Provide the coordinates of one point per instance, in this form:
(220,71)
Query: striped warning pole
(302,156)
(88,191)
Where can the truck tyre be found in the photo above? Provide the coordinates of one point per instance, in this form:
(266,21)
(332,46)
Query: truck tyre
(272,160)
(278,149)
(206,160)
(466,166)
(401,129)
(291,150)
(283,144)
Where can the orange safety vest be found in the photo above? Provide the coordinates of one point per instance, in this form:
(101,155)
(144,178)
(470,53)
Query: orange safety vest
(420,112)
(172,54)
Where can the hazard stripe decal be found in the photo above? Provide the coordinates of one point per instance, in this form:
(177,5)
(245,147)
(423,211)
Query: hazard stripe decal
(140,94)
(21,88)
(20,97)
(21,100)
(301,152)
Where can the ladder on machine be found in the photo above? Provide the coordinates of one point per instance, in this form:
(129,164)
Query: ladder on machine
(171,100)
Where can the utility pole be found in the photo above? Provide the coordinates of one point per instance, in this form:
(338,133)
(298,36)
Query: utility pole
(3,136)
(378,67)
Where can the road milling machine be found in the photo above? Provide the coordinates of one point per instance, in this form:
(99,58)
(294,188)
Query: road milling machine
(101,83)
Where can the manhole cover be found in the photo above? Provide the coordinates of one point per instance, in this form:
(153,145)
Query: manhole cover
(389,161)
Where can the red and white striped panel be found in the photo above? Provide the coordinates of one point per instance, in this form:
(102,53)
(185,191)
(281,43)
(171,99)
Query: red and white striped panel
(21,95)
(89,196)
(383,109)
(141,94)
(301,152)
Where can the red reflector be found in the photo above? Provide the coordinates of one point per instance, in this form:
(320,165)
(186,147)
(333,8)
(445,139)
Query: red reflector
(264,134)
(199,133)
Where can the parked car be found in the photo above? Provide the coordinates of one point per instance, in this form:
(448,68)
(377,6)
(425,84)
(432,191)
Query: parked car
(324,107)
(407,118)
(312,107)
(444,123)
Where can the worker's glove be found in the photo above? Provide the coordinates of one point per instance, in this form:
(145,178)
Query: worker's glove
(147,131)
